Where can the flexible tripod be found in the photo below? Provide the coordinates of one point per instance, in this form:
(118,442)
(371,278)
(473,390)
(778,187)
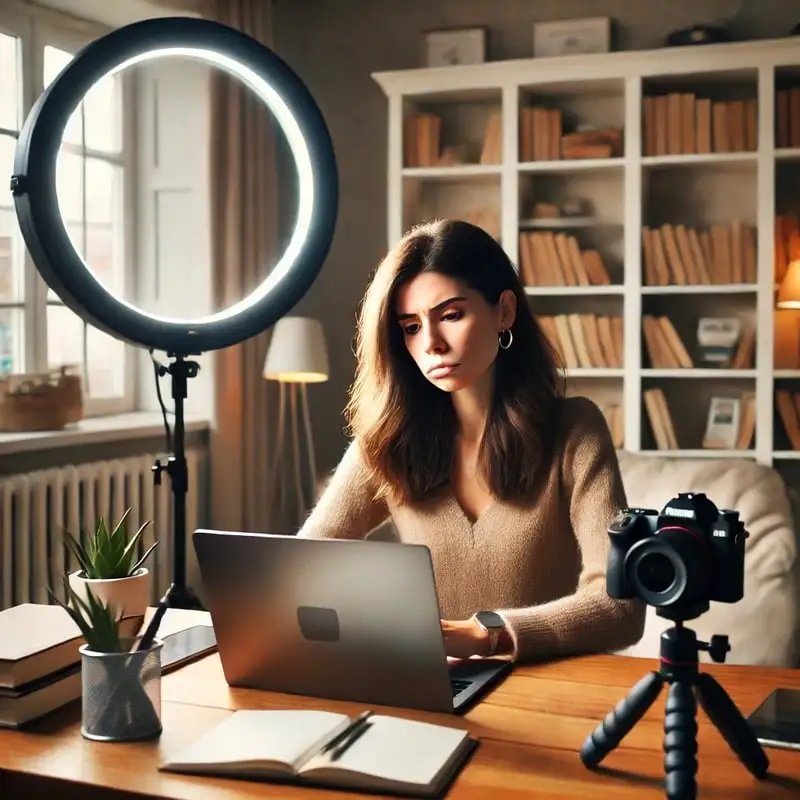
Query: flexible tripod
(687,686)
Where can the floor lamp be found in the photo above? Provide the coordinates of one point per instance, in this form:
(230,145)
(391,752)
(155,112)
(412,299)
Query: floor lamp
(297,355)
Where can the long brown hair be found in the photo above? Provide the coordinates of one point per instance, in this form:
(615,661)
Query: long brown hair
(406,427)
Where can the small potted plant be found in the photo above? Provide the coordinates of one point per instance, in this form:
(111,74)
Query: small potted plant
(108,566)
(120,683)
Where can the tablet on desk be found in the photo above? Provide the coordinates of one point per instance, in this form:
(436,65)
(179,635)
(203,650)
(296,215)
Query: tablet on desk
(776,722)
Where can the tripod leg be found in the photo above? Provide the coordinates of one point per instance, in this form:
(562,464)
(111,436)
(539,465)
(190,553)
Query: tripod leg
(619,721)
(680,742)
(734,728)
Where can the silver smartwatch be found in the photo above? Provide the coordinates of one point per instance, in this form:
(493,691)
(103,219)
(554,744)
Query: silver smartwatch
(493,624)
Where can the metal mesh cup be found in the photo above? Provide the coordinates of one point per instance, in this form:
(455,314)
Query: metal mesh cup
(121,693)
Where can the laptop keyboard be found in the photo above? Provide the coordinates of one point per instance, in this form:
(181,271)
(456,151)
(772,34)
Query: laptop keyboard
(458,686)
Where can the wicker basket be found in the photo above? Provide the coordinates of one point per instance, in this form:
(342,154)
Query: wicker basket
(40,402)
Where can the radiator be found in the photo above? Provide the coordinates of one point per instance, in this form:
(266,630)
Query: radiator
(36,507)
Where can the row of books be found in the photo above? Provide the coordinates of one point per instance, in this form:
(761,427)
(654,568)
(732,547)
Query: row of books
(679,123)
(787,117)
(422,135)
(40,662)
(615,419)
(788,405)
(543,137)
(786,339)
(585,340)
(787,243)
(555,259)
(675,254)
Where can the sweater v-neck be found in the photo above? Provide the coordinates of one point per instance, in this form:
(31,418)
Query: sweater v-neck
(472,524)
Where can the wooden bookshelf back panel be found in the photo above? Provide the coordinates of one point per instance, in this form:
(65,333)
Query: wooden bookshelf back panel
(475,200)
(700,196)
(587,108)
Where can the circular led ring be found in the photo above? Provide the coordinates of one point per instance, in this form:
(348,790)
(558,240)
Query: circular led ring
(36,199)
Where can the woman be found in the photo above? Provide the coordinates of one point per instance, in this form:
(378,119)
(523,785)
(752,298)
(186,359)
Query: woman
(462,435)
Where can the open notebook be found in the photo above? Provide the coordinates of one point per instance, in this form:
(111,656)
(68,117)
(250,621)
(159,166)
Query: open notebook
(390,754)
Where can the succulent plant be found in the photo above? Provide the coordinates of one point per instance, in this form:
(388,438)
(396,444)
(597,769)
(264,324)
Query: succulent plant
(97,620)
(108,554)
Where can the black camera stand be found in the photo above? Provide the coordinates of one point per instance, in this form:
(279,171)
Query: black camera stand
(687,686)
(180,595)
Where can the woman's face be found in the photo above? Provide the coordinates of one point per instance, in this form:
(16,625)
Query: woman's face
(450,330)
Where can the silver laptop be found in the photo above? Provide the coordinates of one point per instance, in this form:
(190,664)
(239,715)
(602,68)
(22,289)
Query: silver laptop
(340,619)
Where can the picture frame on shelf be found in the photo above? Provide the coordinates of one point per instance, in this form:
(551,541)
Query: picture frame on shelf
(569,37)
(450,47)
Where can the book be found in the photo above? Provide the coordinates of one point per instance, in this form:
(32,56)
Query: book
(388,755)
(37,640)
(31,701)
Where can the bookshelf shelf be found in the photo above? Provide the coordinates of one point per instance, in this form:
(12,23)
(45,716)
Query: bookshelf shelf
(709,288)
(709,452)
(787,154)
(681,210)
(573,291)
(561,223)
(595,372)
(458,172)
(699,372)
(701,160)
(573,165)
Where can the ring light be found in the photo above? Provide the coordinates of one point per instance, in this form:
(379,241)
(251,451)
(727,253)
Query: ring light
(41,222)
(33,186)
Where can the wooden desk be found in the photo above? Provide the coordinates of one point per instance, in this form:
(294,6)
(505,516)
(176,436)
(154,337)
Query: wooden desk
(531,728)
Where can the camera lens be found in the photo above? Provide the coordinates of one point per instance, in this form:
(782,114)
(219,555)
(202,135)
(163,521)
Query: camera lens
(670,569)
(656,572)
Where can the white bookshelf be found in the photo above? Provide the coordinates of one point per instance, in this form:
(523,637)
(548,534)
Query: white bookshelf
(627,192)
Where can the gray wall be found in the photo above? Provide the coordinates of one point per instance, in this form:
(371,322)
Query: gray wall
(335,45)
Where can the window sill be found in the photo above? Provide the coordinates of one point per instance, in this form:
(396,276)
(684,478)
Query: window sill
(96,430)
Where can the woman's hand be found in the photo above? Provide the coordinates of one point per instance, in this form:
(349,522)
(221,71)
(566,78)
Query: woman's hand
(464,638)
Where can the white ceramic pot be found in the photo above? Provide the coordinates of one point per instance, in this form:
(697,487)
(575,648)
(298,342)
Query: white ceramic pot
(130,596)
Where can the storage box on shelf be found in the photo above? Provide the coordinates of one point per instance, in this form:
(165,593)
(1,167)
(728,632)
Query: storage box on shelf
(650,190)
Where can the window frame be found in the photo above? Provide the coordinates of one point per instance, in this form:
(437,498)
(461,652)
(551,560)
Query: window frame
(36,28)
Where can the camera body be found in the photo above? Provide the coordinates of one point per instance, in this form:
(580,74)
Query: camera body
(680,559)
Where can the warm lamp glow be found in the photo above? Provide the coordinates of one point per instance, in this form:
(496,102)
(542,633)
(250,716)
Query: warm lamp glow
(789,290)
(297,352)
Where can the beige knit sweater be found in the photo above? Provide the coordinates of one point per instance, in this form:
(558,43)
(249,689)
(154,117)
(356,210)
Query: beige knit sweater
(541,566)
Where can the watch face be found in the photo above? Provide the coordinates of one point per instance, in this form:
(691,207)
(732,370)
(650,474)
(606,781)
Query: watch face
(489,619)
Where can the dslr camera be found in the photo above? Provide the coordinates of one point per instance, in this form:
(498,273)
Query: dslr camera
(678,560)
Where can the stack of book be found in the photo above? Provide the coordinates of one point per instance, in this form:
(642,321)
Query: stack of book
(548,134)
(555,259)
(787,113)
(585,340)
(40,663)
(679,123)
(788,404)
(675,254)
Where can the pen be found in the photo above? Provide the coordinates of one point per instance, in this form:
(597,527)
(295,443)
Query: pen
(150,633)
(354,727)
(356,732)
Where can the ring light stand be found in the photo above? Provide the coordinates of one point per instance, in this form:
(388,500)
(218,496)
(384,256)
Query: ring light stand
(33,185)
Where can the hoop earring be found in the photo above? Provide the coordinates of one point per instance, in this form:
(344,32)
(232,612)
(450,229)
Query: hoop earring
(507,344)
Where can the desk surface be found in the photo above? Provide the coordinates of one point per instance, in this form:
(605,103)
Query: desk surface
(531,728)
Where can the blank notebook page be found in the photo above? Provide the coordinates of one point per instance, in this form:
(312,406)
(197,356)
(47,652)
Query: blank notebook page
(257,735)
(402,750)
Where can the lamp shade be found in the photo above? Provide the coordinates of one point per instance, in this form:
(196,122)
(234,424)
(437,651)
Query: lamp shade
(297,352)
(789,290)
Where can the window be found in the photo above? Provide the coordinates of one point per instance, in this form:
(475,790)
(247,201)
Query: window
(38,332)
